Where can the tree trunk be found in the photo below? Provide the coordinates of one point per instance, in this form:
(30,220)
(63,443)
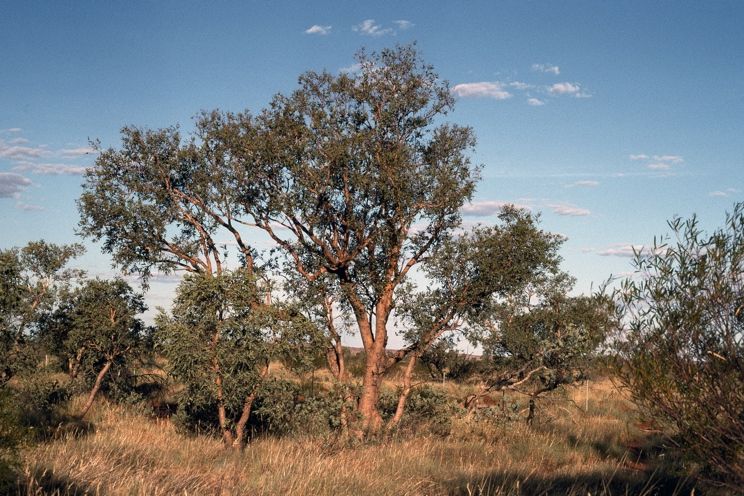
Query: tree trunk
(221,415)
(243,420)
(371,418)
(404,393)
(96,387)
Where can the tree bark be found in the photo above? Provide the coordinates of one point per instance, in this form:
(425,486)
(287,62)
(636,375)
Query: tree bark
(96,387)
(404,393)
(243,420)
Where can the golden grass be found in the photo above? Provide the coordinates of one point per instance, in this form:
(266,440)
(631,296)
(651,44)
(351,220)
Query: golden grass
(570,452)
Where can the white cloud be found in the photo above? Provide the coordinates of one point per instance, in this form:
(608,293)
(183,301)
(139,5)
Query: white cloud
(520,85)
(18,152)
(674,159)
(11,184)
(12,130)
(585,184)
(640,156)
(724,193)
(370,28)
(318,29)
(353,68)
(659,166)
(482,89)
(29,207)
(626,250)
(565,89)
(568,210)
(403,24)
(547,68)
(50,169)
(535,102)
(77,152)
(485,208)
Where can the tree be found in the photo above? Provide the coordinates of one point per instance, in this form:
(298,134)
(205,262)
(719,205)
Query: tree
(31,281)
(220,346)
(469,276)
(160,203)
(541,341)
(681,348)
(104,331)
(351,177)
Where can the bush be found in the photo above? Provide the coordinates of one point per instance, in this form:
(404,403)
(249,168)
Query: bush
(427,409)
(285,407)
(682,352)
(12,433)
(41,400)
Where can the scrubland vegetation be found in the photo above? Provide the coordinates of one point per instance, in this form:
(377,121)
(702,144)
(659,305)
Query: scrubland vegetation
(566,450)
(244,386)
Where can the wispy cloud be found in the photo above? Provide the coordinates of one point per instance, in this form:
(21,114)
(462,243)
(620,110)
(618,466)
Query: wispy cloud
(658,162)
(403,24)
(50,169)
(546,68)
(625,250)
(19,152)
(29,207)
(369,27)
(485,208)
(318,29)
(77,152)
(11,130)
(484,89)
(535,102)
(568,210)
(353,68)
(565,88)
(724,193)
(589,183)
(11,184)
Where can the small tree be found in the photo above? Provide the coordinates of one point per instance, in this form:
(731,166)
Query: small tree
(682,347)
(220,346)
(104,331)
(31,282)
(470,275)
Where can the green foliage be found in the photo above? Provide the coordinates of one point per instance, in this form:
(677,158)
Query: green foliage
(219,343)
(428,410)
(32,282)
(682,348)
(41,401)
(99,324)
(444,361)
(286,407)
(12,434)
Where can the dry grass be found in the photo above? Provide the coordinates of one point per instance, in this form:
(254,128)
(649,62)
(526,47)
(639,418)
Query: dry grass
(570,452)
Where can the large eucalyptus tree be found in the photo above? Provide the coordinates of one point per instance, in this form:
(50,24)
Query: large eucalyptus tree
(354,176)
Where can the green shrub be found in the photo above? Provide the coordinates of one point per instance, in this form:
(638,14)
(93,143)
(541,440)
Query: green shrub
(427,410)
(682,351)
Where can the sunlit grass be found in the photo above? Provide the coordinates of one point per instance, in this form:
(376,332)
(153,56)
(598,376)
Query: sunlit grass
(569,451)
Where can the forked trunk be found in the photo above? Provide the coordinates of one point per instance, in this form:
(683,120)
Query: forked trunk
(96,387)
(404,393)
(242,421)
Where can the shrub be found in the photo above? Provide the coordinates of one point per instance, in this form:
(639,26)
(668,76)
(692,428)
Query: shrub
(682,351)
(427,409)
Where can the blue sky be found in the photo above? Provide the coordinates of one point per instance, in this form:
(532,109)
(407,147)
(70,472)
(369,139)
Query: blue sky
(607,117)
